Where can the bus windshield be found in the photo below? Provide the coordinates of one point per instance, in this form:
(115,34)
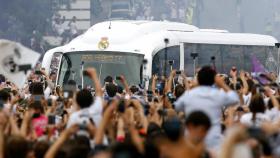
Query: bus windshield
(106,64)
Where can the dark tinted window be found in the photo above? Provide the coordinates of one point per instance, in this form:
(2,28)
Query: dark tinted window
(227,56)
(173,54)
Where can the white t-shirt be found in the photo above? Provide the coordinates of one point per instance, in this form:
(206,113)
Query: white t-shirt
(246,119)
(247,99)
(82,116)
(210,101)
(273,114)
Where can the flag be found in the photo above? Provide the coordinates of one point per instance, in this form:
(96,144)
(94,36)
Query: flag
(258,71)
(257,66)
(14,59)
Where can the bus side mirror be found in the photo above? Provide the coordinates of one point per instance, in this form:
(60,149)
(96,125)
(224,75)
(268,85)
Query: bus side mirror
(277,45)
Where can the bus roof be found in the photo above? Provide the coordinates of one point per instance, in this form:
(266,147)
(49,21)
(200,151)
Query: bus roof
(227,38)
(143,36)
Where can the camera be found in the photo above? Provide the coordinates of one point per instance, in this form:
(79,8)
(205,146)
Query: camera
(118,78)
(166,40)
(38,72)
(194,55)
(49,102)
(150,96)
(171,62)
(83,126)
(68,91)
(51,119)
(171,97)
(145,61)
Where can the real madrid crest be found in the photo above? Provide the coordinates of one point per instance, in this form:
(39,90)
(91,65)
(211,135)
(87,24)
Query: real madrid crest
(103,44)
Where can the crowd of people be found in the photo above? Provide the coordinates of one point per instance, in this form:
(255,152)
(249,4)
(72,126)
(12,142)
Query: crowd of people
(172,10)
(209,115)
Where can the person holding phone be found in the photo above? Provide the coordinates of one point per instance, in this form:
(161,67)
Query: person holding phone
(88,107)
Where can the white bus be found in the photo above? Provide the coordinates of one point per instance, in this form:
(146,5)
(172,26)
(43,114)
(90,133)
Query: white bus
(119,47)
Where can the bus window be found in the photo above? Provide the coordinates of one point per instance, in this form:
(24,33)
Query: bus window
(208,54)
(173,54)
(226,56)
(55,62)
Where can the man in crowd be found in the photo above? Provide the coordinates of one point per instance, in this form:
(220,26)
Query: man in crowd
(208,99)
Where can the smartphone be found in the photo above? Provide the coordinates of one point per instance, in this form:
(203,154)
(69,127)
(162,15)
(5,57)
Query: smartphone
(85,73)
(83,126)
(49,102)
(118,78)
(68,91)
(37,97)
(51,119)
(8,82)
(178,72)
(65,95)
(38,72)
(171,62)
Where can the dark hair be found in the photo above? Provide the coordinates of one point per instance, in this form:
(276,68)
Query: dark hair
(179,90)
(270,104)
(40,149)
(250,85)
(36,88)
(4,95)
(154,130)
(257,105)
(108,79)
(198,118)
(134,89)
(206,76)
(119,89)
(84,98)
(80,148)
(16,147)
(173,128)
(52,73)
(37,105)
(127,150)
(111,89)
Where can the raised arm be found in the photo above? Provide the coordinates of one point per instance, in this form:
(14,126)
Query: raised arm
(274,101)
(105,120)
(126,86)
(154,82)
(51,153)
(170,81)
(91,72)
(244,82)
(230,97)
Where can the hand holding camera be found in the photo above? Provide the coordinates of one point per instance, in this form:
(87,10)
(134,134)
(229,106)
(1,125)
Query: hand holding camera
(90,72)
